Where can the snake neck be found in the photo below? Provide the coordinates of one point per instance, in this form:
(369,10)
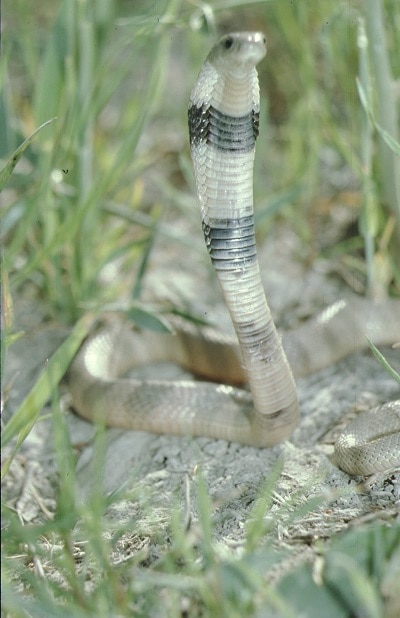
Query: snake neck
(223,126)
(233,94)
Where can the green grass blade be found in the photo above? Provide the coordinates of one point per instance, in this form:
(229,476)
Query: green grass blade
(25,417)
(393,144)
(382,360)
(7,170)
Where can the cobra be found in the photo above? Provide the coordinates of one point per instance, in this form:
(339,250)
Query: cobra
(224,125)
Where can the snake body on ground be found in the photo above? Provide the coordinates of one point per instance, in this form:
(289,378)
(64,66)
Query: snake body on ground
(224,125)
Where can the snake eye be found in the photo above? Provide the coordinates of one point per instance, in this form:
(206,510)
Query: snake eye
(228,42)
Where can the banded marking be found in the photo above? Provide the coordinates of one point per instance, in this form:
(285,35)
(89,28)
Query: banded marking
(230,242)
(223,132)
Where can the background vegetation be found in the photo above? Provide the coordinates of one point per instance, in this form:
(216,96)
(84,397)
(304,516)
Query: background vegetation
(97,186)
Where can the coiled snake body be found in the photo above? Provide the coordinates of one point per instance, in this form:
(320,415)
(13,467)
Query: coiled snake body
(223,125)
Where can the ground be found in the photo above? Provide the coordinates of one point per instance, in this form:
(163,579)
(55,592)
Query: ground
(167,468)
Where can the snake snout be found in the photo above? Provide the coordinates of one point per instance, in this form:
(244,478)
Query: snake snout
(239,50)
